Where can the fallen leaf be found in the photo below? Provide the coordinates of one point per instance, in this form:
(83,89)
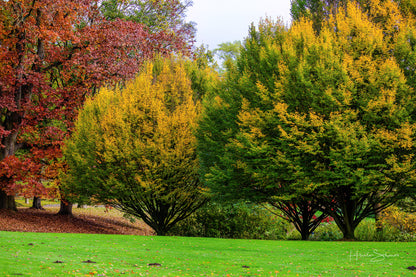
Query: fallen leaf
(29,220)
(89,262)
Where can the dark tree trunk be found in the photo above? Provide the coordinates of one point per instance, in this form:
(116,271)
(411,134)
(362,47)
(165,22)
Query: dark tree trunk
(305,234)
(346,220)
(304,221)
(37,203)
(66,208)
(7,201)
(348,232)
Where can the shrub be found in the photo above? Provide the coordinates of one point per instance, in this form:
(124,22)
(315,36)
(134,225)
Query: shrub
(329,231)
(366,231)
(405,222)
(326,231)
(238,221)
(396,226)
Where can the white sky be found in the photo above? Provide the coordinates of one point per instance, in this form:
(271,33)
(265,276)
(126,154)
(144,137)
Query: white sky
(221,21)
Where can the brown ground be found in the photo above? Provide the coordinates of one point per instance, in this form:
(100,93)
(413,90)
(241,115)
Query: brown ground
(84,221)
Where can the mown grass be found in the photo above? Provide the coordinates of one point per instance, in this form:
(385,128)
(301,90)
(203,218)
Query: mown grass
(21,203)
(35,254)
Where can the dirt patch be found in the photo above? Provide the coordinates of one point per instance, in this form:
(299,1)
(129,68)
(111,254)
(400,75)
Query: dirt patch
(47,221)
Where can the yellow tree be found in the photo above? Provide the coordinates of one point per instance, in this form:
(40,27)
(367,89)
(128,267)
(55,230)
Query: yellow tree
(134,149)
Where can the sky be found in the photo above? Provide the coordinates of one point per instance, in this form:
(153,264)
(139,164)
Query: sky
(221,21)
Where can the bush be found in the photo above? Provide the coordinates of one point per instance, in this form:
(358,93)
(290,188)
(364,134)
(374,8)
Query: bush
(367,231)
(396,226)
(237,221)
(329,231)
(397,236)
(247,221)
(326,231)
(404,221)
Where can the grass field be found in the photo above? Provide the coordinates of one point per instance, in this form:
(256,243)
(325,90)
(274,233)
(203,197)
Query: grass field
(36,254)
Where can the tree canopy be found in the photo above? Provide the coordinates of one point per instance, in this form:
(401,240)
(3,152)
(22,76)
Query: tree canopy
(157,16)
(319,11)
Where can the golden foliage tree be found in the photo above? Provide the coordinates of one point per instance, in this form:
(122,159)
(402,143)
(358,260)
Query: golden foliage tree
(133,147)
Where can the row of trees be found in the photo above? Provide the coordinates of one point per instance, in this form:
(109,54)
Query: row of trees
(316,117)
(55,53)
(307,119)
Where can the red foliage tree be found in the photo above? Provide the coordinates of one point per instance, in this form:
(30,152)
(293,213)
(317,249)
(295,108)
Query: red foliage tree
(52,54)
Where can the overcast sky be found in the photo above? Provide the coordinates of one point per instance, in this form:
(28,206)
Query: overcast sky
(221,21)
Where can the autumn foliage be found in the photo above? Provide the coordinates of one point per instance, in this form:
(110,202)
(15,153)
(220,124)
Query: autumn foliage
(134,149)
(53,54)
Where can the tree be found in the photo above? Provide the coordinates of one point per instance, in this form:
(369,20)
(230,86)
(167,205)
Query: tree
(157,16)
(219,125)
(385,16)
(54,53)
(325,116)
(228,52)
(133,147)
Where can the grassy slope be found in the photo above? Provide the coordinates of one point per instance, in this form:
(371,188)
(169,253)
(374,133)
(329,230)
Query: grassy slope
(117,255)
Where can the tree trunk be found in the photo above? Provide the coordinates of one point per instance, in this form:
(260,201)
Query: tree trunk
(305,234)
(377,216)
(37,203)
(160,231)
(7,201)
(304,220)
(348,233)
(348,228)
(66,208)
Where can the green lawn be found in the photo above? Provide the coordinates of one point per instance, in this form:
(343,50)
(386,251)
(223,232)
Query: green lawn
(115,255)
